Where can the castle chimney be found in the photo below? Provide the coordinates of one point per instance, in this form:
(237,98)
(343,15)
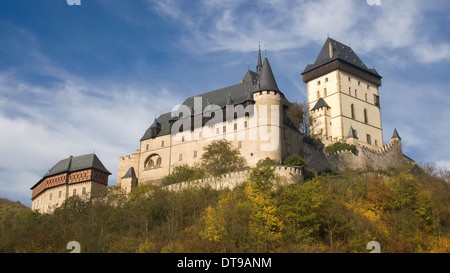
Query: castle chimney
(331,50)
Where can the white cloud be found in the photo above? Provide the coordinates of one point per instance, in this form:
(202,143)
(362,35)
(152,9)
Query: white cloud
(76,118)
(284,25)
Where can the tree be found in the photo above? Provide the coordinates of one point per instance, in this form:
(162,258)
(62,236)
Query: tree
(299,206)
(220,157)
(295,160)
(183,173)
(262,177)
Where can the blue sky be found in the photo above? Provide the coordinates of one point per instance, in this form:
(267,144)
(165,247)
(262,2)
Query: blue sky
(79,79)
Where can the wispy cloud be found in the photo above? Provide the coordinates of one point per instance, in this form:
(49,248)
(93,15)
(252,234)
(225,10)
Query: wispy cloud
(284,25)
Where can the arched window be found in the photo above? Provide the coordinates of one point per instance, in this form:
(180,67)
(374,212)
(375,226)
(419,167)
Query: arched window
(352,109)
(153,161)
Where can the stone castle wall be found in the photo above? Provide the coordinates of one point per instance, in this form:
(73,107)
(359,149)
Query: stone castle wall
(284,175)
(390,155)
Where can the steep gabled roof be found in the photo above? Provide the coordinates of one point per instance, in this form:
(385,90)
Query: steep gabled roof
(351,133)
(130,173)
(339,52)
(320,103)
(75,163)
(395,134)
(240,93)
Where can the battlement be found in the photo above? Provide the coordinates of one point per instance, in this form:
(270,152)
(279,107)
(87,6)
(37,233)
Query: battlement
(233,179)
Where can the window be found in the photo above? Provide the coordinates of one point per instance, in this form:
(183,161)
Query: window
(366,96)
(376,100)
(369,140)
(245,124)
(376,143)
(318,94)
(326,79)
(239,144)
(146,147)
(182,139)
(365,116)
(158,161)
(359,83)
(318,82)
(199,135)
(74,192)
(151,163)
(50,197)
(59,194)
(356,93)
(217,131)
(195,154)
(352,111)
(180,157)
(83,191)
(324,92)
(162,143)
(350,91)
(349,79)
(235,126)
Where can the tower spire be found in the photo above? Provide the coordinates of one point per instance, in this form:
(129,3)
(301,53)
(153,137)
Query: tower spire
(259,65)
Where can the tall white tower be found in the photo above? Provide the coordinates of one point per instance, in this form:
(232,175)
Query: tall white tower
(343,96)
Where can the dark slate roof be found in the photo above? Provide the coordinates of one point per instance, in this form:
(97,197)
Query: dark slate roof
(266,80)
(340,52)
(320,103)
(130,173)
(77,163)
(351,133)
(236,94)
(395,134)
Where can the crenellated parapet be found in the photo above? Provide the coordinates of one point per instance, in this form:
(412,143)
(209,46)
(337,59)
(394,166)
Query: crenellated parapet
(230,180)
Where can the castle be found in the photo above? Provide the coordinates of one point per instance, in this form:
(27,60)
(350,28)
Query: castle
(343,102)
(84,176)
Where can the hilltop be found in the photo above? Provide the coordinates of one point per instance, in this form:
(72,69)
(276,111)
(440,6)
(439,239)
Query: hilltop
(10,208)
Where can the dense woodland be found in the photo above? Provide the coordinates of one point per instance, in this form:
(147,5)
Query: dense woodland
(403,210)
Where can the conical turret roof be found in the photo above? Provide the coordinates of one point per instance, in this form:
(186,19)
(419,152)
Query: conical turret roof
(266,80)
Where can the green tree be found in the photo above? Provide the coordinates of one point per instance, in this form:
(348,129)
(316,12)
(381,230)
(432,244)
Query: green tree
(339,146)
(295,160)
(263,176)
(220,157)
(299,206)
(183,173)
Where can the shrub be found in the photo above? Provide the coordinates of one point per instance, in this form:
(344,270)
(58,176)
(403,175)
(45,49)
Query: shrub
(339,146)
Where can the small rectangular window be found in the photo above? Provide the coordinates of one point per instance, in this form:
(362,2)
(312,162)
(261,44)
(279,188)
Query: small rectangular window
(162,143)
(369,139)
(217,131)
(195,154)
(182,139)
(180,157)
(239,144)
(224,129)
(235,126)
